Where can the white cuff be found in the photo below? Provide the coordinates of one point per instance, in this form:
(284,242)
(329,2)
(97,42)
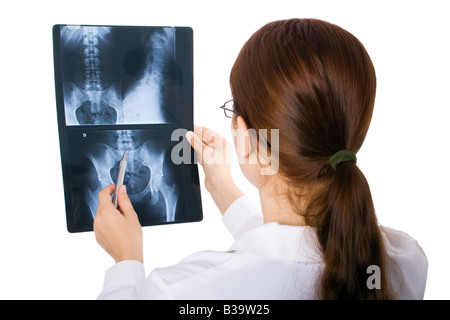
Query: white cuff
(123,280)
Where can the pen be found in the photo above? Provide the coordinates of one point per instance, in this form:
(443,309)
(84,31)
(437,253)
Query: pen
(120,176)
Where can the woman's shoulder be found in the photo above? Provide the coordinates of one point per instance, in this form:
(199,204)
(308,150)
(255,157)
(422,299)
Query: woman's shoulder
(407,263)
(399,241)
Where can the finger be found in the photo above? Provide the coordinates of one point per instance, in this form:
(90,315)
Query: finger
(195,141)
(207,135)
(202,131)
(197,144)
(104,196)
(199,129)
(124,201)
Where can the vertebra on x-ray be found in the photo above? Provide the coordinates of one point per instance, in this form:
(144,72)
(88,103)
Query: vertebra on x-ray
(125,88)
(150,174)
(117,75)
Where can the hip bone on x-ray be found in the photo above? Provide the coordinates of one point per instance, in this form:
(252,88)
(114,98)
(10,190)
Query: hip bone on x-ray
(150,179)
(119,90)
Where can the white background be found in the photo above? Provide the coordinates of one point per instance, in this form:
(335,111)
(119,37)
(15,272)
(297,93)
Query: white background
(405,156)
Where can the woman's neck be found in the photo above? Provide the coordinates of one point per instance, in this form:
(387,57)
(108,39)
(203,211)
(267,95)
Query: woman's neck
(276,207)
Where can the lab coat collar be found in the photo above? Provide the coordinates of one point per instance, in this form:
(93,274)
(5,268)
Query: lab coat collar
(281,242)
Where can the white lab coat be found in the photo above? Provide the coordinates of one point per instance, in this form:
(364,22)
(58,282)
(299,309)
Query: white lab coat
(266,261)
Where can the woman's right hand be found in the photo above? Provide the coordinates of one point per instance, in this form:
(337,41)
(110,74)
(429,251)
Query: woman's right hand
(214,152)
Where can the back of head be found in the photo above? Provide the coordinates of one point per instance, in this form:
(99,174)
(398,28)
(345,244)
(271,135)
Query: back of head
(315,82)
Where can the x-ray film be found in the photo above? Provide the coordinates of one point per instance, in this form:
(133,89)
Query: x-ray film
(123,88)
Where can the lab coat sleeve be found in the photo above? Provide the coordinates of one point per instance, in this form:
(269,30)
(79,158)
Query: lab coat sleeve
(242,216)
(123,281)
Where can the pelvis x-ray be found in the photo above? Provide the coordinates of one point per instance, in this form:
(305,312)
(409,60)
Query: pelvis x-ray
(114,75)
(125,88)
(153,182)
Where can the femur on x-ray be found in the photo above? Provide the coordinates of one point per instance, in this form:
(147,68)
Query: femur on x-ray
(125,88)
(150,178)
(117,75)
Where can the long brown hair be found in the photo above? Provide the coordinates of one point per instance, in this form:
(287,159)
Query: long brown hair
(315,82)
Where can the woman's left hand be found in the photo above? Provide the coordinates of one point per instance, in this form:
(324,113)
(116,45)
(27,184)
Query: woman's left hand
(118,232)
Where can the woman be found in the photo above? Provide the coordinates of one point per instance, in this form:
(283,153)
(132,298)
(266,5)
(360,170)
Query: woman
(311,85)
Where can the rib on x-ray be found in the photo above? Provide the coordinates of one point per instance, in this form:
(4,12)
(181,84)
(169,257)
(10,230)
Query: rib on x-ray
(150,183)
(125,88)
(116,75)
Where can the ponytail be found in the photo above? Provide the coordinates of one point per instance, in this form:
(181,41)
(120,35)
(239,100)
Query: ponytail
(349,235)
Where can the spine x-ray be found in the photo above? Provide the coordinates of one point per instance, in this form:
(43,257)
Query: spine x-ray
(123,88)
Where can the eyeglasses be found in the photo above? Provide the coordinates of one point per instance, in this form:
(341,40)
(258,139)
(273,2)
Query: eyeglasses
(228,111)
(228,108)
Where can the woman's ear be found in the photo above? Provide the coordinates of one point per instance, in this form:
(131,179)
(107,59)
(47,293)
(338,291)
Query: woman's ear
(241,124)
(241,139)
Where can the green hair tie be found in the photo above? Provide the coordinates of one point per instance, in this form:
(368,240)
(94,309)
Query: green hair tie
(341,156)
